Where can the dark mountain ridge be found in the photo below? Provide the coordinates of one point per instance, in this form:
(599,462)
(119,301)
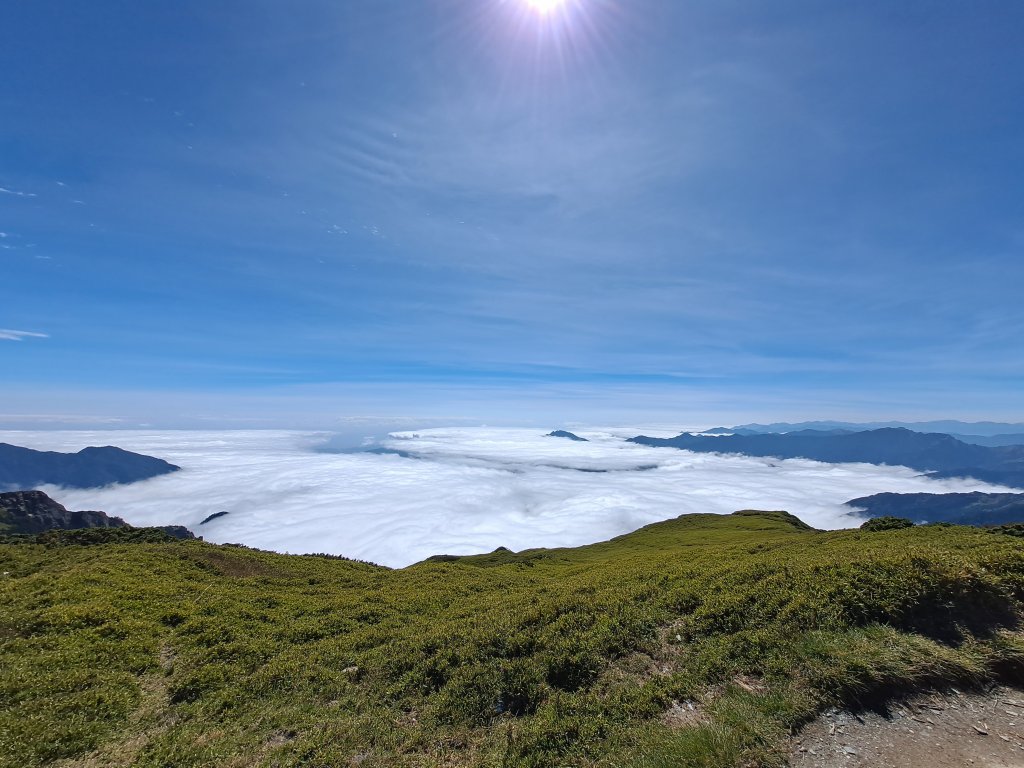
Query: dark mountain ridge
(928,452)
(93,467)
(947,426)
(958,508)
(991,434)
(567,436)
(992,441)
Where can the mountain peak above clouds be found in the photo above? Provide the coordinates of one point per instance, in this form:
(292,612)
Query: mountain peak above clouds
(92,467)
(567,435)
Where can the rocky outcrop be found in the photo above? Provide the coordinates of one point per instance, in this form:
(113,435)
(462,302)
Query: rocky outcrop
(32,512)
(35,512)
(177,531)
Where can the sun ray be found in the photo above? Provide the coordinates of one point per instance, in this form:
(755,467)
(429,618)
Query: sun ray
(544,7)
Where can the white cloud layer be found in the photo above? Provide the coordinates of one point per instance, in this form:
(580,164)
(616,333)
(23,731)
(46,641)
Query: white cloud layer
(456,491)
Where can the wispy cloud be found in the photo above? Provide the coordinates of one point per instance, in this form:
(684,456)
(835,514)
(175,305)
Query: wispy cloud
(652,193)
(16,192)
(11,335)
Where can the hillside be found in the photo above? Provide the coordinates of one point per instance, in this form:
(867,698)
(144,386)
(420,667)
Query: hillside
(94,467)
(701,641)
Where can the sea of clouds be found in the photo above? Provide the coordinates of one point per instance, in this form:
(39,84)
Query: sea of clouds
(456,491)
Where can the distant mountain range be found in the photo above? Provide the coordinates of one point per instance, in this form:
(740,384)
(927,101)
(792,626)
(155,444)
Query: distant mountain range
(958,508)
(960,429)
(989,433)
(30,512)
(941,455)
(993,441)
(25,468)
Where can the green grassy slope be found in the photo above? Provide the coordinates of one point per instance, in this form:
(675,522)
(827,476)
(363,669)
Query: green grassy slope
(700,641)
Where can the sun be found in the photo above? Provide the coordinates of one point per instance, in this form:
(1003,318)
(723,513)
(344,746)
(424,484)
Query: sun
(544,7)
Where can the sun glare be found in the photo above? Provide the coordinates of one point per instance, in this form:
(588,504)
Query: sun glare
(544,7)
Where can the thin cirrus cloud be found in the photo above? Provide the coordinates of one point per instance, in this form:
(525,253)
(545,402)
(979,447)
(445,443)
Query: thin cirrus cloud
(662,189)
(9,334)
(16,192)
(455,490)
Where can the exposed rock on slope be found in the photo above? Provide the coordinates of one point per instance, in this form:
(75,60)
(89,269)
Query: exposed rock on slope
(35,512)
(31,512)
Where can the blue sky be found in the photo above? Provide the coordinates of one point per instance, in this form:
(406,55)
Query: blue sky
(268,213)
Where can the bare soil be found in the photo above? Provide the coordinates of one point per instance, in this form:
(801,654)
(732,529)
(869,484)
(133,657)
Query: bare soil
(938,730)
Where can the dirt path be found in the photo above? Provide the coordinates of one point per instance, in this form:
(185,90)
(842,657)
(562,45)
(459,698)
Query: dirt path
(949,730)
